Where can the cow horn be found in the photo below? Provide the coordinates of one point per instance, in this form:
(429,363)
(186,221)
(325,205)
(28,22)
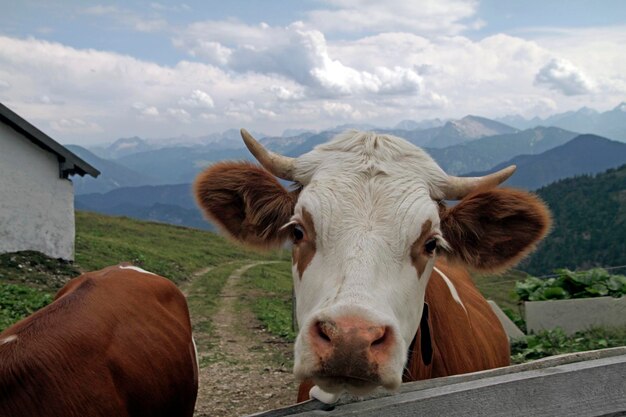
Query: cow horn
(279,165)
(458,187)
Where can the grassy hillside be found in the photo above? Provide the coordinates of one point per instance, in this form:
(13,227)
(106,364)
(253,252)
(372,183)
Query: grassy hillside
(589,223)
(171,251)
(28,279)
(171,204)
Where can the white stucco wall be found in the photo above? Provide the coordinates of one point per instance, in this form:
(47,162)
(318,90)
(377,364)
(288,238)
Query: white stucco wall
(36,206)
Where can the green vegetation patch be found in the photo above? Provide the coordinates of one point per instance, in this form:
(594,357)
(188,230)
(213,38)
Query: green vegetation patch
(275,314)
(18,301)
(567,284)
(269,293)
(171,251)
(556,342)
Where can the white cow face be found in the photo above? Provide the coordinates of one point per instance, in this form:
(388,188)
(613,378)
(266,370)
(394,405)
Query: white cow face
(365,234)
(366,226)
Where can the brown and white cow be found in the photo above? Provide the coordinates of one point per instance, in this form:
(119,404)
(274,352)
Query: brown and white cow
(372,242)
(115,342)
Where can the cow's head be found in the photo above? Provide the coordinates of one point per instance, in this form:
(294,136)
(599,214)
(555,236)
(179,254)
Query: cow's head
(367,222)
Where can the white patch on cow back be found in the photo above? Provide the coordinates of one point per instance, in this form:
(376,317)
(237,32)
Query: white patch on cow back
(451,287)
(137,269)
(8,339)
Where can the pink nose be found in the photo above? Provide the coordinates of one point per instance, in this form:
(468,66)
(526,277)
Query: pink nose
(351,347)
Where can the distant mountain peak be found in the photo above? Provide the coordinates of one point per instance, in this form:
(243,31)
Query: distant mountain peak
(419,125)
(475,127)
(610,124)
(587,111)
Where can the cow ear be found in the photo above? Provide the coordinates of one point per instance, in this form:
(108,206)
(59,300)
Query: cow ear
(493,230)
(246,202)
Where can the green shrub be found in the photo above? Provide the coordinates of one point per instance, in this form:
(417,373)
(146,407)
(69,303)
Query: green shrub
(567,284)
(556,342)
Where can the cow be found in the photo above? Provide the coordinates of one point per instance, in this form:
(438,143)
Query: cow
(114,342)
(379,260)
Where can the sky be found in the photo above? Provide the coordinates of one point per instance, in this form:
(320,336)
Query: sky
(88,72)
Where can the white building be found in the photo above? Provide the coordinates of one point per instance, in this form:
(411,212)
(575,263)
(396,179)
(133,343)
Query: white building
(36,194)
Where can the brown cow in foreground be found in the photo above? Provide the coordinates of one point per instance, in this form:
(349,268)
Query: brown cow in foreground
(115,342)
(378,259)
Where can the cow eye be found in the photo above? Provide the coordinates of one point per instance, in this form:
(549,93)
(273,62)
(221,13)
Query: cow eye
(430,246)
(298,233)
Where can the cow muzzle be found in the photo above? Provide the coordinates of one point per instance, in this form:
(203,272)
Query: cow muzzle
(352,354)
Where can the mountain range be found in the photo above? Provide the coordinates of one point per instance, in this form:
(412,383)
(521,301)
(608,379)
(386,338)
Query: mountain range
(610,124)
(585,154)
(113,175)
(150,180)
(482,154)
(181,164)
(174,204)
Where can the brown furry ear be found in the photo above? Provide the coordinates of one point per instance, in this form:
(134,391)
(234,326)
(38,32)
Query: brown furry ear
(246,201)
(493,230)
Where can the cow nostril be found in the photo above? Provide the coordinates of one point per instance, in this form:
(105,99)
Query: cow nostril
(322,331)
(382,339)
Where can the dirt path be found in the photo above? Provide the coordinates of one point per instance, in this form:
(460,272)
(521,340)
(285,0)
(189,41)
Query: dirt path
(245,371)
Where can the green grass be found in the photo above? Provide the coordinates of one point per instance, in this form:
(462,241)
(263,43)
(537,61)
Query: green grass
(500,288)
(18,301)
(28,281)
(268,292)
(171,251)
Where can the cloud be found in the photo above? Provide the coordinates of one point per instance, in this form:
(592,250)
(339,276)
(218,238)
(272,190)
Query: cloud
(100,10)
(145,110)
(150,111)
(75,125)
(271,78)
(286,94)
(565,77)
(292,77)
(299,54)
(179,114)
(45,99)
(341,110)
(440,17)
(170,8)
(197,99)
(128,18)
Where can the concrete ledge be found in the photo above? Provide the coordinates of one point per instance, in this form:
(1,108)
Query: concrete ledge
(509,327)
(578,384)
(576,314)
